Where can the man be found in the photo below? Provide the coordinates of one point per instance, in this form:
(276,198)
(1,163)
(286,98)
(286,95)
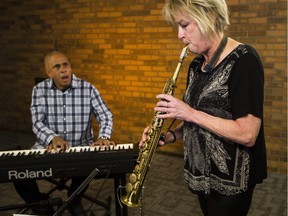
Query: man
(62,108)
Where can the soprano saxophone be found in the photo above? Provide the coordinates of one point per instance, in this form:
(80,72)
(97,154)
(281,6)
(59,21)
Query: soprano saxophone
(137,177)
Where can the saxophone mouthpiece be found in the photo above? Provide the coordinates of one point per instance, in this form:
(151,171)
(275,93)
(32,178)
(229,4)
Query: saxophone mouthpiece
(184,52)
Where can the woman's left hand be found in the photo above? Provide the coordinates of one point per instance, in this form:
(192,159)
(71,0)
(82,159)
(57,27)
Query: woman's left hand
(171,107)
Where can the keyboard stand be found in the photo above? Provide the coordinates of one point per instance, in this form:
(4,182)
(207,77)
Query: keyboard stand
(76,193)
(61,184)
(119,179)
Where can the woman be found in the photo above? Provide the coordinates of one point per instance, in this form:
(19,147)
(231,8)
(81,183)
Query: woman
(222,111)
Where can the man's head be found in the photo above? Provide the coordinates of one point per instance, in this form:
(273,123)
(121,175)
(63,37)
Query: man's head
(58,68)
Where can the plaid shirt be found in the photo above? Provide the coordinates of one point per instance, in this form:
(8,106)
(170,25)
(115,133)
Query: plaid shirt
(68,114)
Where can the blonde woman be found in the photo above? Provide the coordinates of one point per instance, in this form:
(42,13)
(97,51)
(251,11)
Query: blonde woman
(222,111)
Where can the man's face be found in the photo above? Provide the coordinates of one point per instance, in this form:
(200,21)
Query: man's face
(59,69)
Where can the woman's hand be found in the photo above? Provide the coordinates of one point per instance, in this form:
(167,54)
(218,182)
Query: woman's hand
(171,107)
(144,138)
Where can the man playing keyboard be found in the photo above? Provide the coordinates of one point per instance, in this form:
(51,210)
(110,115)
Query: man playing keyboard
(62,109)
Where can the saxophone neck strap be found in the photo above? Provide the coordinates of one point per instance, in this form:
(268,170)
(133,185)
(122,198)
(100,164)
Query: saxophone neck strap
(209,67)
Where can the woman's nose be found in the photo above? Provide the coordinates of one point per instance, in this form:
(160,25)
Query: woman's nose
(180,33)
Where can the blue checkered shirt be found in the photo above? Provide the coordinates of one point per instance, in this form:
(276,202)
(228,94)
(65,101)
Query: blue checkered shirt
(68,114)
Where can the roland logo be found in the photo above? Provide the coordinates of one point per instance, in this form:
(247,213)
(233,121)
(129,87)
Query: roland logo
(28,174)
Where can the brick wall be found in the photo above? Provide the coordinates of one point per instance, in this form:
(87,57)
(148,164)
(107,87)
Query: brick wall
(127,51)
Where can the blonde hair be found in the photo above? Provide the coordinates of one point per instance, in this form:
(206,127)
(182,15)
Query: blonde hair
(212,16)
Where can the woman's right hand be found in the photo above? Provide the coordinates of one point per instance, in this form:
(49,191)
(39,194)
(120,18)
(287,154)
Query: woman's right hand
(144,138)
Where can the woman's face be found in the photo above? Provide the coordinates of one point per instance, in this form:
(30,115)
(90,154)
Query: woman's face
(189,33)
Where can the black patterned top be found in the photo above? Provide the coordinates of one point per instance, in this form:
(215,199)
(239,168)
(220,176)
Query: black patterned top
(232,90)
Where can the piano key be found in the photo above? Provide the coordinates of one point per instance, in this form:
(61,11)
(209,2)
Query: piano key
(29,152)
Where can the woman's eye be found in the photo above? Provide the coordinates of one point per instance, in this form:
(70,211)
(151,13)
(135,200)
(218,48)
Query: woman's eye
(183,26)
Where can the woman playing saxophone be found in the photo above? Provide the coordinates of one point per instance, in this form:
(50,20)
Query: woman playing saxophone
(221,113)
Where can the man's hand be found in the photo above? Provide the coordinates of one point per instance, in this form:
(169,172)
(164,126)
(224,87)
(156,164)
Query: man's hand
(103,142)
(57,142)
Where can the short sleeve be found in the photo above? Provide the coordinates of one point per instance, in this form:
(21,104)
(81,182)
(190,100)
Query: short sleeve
(246,86)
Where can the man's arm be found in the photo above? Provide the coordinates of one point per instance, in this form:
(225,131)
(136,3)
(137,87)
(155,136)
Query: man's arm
(43,133)
(104,117)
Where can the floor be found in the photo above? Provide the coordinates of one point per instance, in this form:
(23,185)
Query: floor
(164,194)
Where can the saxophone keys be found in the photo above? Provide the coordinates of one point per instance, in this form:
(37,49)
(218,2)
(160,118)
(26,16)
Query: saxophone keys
(133,178)
(128,187)
(145,154)
(137,168)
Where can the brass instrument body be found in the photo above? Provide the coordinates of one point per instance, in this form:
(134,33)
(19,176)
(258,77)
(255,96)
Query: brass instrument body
(137,177)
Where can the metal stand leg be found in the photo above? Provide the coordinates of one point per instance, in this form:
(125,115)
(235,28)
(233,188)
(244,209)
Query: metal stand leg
(120,180)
